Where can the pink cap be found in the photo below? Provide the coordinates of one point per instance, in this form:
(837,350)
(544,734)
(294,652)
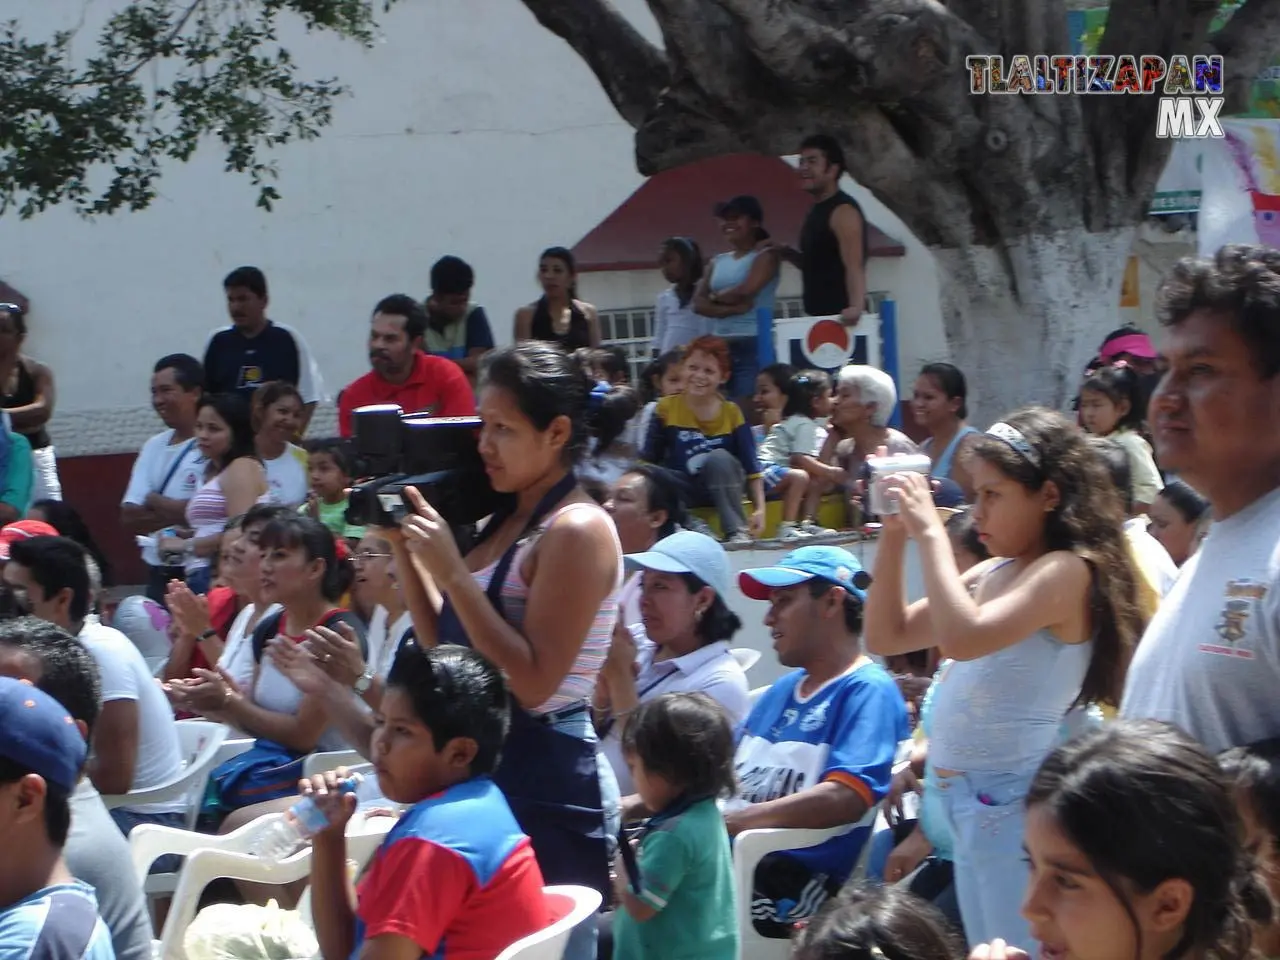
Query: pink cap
(1134,344)
(23,530)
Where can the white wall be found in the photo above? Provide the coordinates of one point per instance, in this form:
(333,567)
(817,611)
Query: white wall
(471,130)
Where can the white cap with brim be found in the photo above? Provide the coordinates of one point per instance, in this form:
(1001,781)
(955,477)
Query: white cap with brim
(687,552)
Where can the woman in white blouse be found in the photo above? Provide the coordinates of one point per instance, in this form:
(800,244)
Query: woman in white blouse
(684,647)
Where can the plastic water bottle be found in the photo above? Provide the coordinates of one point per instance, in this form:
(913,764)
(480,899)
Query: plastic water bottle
(304,820)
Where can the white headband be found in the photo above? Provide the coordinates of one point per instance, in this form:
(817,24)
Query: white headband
(1016,439)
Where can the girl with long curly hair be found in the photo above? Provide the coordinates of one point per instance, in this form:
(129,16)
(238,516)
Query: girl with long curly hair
(1048,623)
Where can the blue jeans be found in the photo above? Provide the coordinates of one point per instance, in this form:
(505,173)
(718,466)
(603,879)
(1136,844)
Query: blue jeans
(745,359)
(987,812)
(582,941)
(126,820)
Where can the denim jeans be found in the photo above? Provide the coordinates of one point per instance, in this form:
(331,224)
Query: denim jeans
(126,820)
(987,812)
(744,355)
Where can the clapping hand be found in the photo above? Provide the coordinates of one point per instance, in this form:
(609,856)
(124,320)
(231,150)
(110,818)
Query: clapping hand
(189,611)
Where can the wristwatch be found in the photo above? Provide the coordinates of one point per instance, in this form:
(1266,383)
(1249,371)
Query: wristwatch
(363,682)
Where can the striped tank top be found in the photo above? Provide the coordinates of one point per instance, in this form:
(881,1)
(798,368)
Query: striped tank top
(580,683)
(206,515)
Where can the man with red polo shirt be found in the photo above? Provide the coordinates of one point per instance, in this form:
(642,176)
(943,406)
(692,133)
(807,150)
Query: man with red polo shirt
(402,373)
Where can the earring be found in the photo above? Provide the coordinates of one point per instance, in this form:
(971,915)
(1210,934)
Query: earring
(697,614)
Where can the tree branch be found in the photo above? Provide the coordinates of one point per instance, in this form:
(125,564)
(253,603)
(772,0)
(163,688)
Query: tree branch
(632,71)
(1247,43)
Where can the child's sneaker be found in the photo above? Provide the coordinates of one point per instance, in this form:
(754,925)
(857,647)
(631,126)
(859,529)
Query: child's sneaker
(787,531)
(738,537)
(811,529)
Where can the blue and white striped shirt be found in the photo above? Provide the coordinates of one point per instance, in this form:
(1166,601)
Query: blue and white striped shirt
(60,922)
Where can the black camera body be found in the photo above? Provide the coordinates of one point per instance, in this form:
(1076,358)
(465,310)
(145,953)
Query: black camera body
(438,456)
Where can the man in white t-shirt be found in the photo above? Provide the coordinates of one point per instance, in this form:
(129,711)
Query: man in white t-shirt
(169,468)
(135,742)
(1210,658)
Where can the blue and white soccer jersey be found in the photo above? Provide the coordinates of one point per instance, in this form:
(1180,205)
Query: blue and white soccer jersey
(846,731)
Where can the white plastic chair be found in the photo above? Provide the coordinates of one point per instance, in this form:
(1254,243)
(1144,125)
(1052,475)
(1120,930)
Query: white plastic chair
(746,657)
(200,743)
(749,848)
(572,906)
(331,760)
(210,858)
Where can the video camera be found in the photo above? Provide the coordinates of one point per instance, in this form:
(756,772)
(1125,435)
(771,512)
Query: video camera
(438,456)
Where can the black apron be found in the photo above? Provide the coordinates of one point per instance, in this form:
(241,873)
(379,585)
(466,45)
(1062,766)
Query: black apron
(551,779)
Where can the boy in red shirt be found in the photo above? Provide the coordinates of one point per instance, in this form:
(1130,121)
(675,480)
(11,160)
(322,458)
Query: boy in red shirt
(455,879)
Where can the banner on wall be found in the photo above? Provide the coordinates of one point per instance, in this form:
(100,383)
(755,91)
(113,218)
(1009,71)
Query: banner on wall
(1240,203)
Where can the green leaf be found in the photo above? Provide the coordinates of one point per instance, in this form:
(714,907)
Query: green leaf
(164,78)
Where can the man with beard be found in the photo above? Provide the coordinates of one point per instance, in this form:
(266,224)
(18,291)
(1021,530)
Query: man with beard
(402,374)
(833,241)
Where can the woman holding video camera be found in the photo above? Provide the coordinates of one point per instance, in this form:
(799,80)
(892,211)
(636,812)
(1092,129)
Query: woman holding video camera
(537,595)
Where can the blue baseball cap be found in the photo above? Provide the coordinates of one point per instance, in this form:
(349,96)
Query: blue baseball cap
(686,551)
(36,732)
(834,564)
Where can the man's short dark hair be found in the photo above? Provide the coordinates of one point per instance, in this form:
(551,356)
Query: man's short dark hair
(451,276)
(828,146)
(456,693)
(818,587)
(1242,283)
(403,305)
(187,370)
(68,672)
(56,563)
(57,803)
(247,278)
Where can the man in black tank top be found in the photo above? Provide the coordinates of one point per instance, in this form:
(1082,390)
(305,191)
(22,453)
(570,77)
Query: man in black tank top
(833,241)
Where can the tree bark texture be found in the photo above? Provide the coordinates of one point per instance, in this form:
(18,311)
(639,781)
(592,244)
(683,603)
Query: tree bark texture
(1027,202)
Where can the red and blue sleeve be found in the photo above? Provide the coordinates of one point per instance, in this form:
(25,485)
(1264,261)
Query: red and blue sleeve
(415,889)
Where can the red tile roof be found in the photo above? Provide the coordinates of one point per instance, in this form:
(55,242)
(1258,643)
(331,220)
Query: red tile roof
(678,203)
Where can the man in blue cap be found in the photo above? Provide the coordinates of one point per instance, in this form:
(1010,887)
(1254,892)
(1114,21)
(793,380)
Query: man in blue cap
(44,911)
(817,749)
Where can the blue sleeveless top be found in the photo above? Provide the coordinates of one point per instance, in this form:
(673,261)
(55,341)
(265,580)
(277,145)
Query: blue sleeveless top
(942,466)
(728,271)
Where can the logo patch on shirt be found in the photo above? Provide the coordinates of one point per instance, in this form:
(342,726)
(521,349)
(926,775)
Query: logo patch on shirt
(1240,603)
(788,718)
(816,718)
(250,375)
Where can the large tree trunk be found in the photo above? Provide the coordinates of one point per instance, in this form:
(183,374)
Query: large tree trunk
(1019,319)
(1029,203)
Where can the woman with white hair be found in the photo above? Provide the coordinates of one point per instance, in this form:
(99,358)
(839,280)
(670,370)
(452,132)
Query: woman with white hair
(865,398)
